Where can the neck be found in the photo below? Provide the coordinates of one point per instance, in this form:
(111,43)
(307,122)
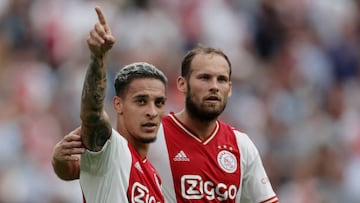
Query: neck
(200,127)
(141,148)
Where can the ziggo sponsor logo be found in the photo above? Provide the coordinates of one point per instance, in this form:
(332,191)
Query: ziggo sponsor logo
(140,194)
(193,187)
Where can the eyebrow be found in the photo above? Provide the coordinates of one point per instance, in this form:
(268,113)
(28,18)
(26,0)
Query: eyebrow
(141,96)
(146,96)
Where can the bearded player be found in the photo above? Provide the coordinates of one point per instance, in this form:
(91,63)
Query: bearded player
(200,158)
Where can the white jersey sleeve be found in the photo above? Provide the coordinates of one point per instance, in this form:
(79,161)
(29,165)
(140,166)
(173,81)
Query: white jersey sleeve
(101,171)
(255,183)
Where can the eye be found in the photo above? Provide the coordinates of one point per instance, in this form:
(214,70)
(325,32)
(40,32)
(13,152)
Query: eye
(160,102)
(223,79)
(204,77)
(140,101)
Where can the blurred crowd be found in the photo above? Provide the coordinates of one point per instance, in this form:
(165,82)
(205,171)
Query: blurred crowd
(296,84)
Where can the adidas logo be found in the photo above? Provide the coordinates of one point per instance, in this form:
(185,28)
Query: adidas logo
(181,156)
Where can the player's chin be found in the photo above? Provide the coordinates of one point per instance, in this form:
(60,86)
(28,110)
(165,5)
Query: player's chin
(148,139)
(149,133)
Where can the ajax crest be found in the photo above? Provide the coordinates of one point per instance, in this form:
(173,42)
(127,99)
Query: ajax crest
(227,161)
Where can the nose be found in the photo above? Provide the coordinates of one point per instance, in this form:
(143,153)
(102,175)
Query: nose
(214,86)
(152,111)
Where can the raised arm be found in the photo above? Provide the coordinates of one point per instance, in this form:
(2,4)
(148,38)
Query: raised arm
(96,127)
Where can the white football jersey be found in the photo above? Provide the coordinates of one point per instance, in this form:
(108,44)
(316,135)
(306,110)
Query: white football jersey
(117,174)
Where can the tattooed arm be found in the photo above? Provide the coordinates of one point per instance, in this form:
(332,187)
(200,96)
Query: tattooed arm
(96,127)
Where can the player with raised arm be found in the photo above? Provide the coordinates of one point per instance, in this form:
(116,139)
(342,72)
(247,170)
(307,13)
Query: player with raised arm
(114,167)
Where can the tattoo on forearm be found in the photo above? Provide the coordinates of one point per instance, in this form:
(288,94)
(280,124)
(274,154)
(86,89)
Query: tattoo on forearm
(95,127)
(97,136)
(93,93)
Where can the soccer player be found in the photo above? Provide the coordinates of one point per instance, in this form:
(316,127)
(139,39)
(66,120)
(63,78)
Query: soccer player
(200,158)
(114,168)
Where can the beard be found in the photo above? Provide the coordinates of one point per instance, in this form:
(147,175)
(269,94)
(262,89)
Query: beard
(200,112)
(147,140)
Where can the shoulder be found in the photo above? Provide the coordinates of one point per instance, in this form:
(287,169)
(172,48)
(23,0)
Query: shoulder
(244,142)
(111,144)
(228,126)
(225,127)
(117,138)
(166,119)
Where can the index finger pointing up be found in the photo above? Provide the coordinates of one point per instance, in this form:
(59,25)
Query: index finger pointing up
(100,15)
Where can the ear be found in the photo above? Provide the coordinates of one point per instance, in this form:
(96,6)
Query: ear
(230,91)
(181,84)
(118,104)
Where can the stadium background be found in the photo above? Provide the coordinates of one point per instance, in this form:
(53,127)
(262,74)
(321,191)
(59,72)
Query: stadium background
(296,84)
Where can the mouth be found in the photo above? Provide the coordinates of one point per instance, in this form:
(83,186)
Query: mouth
(149,126)
(212,99)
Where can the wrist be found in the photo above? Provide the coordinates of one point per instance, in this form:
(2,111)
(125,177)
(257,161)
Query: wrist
(97,57)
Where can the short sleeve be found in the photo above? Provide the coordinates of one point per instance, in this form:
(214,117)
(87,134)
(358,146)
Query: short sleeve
(100,162)
(256,186)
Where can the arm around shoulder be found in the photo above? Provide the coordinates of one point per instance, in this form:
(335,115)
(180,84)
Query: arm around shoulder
(66,170)
(66,156)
